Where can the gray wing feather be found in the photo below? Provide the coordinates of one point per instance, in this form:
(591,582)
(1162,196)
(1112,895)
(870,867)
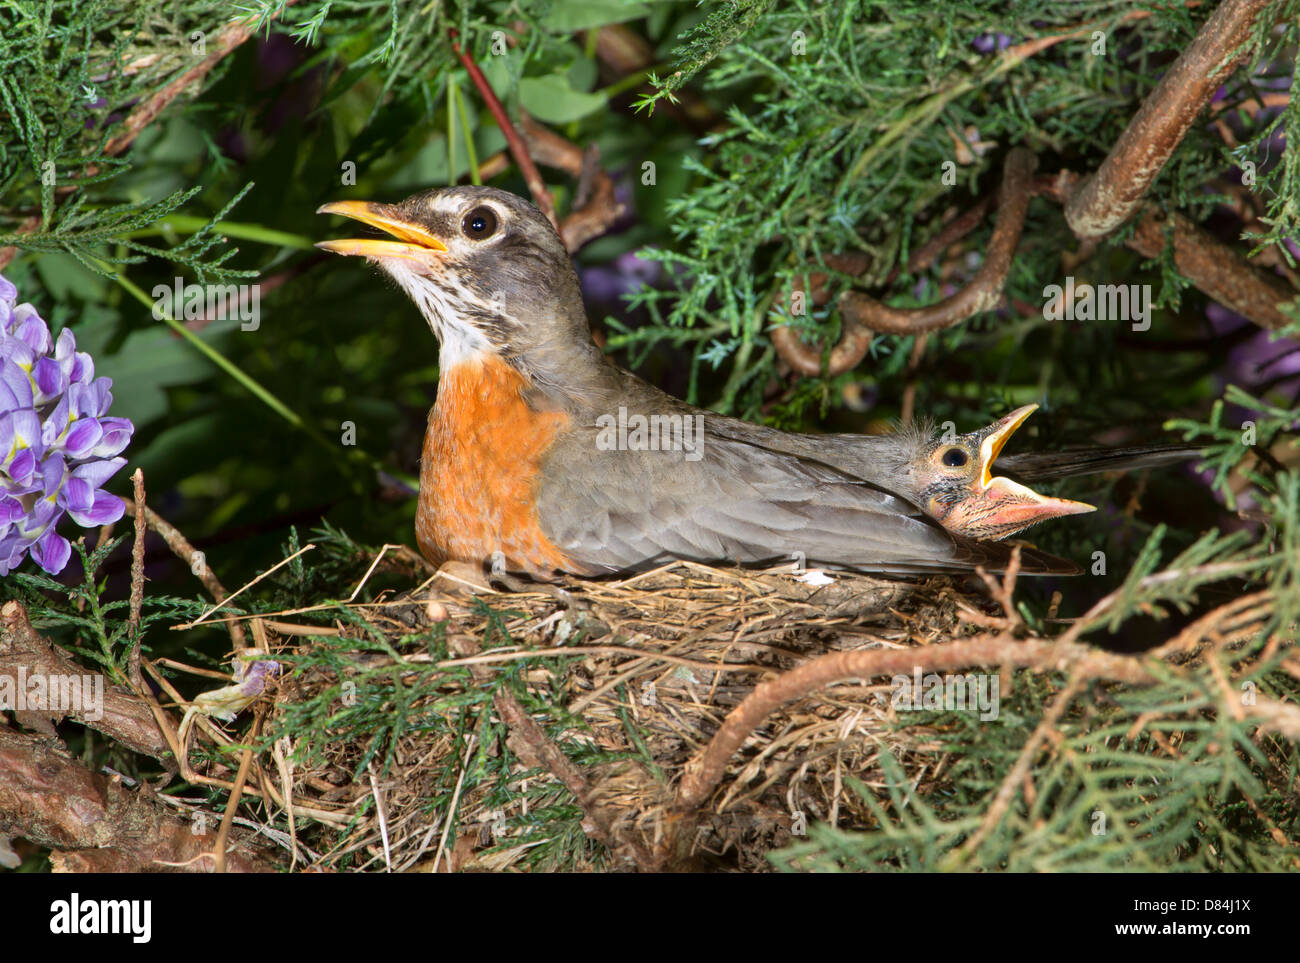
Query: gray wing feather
(740,502)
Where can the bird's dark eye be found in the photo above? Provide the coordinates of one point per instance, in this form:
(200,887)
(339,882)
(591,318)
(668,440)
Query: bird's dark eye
(954,457)
(479,224)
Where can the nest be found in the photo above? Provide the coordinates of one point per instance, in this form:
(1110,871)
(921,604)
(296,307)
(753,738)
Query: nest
(638,674)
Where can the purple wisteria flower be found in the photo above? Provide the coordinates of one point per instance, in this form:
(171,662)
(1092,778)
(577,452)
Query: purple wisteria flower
(57,447)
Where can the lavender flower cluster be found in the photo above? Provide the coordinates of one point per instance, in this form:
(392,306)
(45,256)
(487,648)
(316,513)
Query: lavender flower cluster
(57,447)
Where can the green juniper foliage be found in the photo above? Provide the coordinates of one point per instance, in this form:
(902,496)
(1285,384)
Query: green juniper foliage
(774,134)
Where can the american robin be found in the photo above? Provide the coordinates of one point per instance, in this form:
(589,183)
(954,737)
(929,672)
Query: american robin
(544,456)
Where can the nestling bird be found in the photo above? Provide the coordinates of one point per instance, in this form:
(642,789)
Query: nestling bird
(525,462)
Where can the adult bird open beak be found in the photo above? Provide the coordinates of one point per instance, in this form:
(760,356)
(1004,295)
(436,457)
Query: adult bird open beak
(415,242)
(996,506)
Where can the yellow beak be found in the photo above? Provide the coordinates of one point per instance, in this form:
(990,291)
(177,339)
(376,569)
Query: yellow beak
(997,506)
(998,437)
(415,243)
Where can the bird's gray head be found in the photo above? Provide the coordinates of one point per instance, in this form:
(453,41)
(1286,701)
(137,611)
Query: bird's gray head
(485,268)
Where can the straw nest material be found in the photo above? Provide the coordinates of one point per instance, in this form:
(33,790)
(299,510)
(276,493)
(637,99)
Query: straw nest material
(650,667)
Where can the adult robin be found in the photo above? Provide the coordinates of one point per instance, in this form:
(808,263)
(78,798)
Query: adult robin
(544,456)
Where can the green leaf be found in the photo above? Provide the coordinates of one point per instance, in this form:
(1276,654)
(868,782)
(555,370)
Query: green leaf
(584,14)
(552,100)
(149,361)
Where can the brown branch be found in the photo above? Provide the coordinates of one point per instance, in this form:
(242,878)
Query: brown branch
(1112,195)
(1216,268)
(137,582)
(854,342)
(595,207)
(126,718)
(227,39)
(1102,203)
(984,290)
(598,824)
(705,770)
(536,186)
(186,552)
(949,234)
(50,798)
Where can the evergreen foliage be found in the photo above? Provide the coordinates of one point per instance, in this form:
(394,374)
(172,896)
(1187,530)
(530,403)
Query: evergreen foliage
(826,128)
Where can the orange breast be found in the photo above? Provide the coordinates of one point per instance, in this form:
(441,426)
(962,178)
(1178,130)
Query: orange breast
(479,473)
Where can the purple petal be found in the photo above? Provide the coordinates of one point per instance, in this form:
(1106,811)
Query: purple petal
(56,422)
(106,508)
(97,396)
(11,509)
(84,436)
(12,550)
(50,380)
(257,675)
(7,290)
(21,469)
(83,368)
(51,551)
(30,328)
(117,434)
(65,352)
(95,473)
(54,471)
(26,427)
(76,495)
(16,381)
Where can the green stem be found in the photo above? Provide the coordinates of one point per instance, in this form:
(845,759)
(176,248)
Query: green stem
(634,79)
(451,129)
(184,224)
(469,137)
(211,353)
(243,378)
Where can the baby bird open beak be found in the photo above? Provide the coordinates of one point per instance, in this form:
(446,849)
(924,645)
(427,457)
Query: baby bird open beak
(415,243)
(998,507)
(993,506)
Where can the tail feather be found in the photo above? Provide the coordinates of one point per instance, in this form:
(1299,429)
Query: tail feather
(1031,467)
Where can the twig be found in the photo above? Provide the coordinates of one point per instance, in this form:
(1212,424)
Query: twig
(1003,592)
(854,342)
(247,585)
(598,822)
(1018,774)
(536,186)
(188,554)
(137,583)
(377,793)
(595,206)
(1112,195)
(948,235)
(704,771)
(451,807)
(232,804)
(984,290)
